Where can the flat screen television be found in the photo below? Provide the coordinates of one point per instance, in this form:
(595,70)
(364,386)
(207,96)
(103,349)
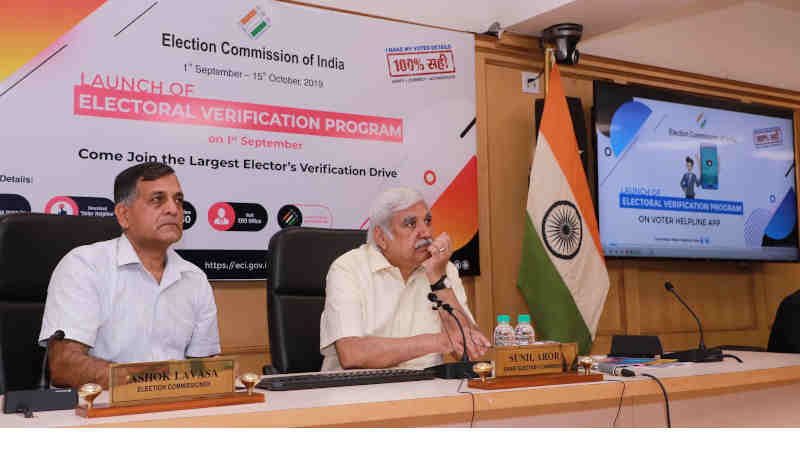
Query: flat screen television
(683,176)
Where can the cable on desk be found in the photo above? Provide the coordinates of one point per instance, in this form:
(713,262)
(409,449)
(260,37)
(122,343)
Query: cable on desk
(664,390)
(472,395)
(619,406)
(725,355)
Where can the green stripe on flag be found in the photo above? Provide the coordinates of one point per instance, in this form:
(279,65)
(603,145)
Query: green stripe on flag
(554,311)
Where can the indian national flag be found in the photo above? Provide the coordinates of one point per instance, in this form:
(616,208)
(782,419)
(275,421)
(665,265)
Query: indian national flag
(562,273)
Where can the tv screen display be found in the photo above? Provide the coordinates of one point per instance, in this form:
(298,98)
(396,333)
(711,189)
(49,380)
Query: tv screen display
(681,176)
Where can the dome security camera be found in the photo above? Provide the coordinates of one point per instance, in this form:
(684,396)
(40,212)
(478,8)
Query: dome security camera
(564,37)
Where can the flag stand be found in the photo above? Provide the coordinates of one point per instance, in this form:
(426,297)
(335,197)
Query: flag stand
(548,66)
(562,273)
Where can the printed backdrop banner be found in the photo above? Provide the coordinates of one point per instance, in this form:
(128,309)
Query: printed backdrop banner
(272,114)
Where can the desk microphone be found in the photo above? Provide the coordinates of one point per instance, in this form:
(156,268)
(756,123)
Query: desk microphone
(440,304)
(700,354)
(43,398)
(615,369)
(455,370)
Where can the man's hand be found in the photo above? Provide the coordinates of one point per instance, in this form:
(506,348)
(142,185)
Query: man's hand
(477,344)
(71,365)
(441,249)
(478,340)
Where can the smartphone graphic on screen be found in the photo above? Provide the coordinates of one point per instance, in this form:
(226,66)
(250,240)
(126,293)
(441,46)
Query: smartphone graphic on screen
(709,167)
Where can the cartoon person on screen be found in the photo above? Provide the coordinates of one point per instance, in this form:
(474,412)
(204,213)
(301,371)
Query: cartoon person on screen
(689,179)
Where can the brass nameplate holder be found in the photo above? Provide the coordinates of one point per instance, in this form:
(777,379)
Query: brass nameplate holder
(189,378)
(534,359)
(535,365)
(170,385)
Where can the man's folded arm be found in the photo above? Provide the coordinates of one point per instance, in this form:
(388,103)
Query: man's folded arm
(372,352)
(71,365)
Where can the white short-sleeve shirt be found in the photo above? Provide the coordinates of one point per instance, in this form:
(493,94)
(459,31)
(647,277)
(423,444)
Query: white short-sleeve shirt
(102,296)
(366,296)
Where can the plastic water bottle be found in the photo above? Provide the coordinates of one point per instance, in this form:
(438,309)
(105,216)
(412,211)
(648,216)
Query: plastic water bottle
(503,333)
(523,333)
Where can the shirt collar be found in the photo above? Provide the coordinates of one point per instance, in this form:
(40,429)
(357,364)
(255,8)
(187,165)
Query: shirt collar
(378,262)
(125,252)
(172,271)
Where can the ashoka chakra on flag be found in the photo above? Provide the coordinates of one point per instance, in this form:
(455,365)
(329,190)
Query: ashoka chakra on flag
(562,230)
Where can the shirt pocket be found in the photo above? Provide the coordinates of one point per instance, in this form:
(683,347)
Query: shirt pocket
(175,324)
(124,335)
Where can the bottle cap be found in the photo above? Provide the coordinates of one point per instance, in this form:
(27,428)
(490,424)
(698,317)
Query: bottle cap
(503,318)
(524,318)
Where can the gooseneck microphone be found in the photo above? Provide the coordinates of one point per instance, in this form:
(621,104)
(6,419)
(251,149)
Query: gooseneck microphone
(440,304)
(671,288)
(455,370)
(42,398)
(44,380)
(701,354)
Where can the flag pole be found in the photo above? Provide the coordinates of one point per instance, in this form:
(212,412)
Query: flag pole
(548,65)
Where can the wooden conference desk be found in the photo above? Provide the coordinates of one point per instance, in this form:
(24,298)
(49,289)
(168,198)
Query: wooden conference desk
(763,391)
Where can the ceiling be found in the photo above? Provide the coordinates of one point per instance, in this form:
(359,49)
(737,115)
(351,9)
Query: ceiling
(743,40)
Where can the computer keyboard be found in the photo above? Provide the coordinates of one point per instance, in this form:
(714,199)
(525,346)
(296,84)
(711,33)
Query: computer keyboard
(349,378)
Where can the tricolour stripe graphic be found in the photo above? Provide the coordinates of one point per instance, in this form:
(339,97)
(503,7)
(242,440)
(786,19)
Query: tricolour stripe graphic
(254,22)
(249,16)
(562,273)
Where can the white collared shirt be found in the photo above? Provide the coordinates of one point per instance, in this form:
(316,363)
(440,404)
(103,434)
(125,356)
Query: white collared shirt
(366,296)
(101,295)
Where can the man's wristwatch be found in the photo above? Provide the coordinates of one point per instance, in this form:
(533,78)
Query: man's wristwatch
(443,283)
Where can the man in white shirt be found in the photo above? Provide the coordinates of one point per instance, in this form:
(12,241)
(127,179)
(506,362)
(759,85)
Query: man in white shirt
(377,313)
(130,299)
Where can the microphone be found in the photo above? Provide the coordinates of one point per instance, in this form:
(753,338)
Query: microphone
(440,304)
(43,398)
(44,381)
(700,354)
(454,370)
(615,369)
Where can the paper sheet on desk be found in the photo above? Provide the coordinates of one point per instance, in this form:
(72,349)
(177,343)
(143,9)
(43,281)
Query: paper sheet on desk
(671,363)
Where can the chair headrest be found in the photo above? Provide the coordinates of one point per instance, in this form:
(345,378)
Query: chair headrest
(300,257)
(32,244)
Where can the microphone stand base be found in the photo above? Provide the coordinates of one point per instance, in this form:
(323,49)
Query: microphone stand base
(696,355)
(39,400)
(453,371)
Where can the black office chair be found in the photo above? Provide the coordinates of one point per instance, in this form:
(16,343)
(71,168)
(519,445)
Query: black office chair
(31,244)
(2,374)
(299,258)
(785,334)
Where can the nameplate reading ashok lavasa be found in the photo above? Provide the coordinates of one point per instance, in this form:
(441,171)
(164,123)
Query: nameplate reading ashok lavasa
(190,378)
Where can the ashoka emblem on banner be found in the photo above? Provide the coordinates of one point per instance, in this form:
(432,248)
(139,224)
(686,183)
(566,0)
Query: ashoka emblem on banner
(562,230)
